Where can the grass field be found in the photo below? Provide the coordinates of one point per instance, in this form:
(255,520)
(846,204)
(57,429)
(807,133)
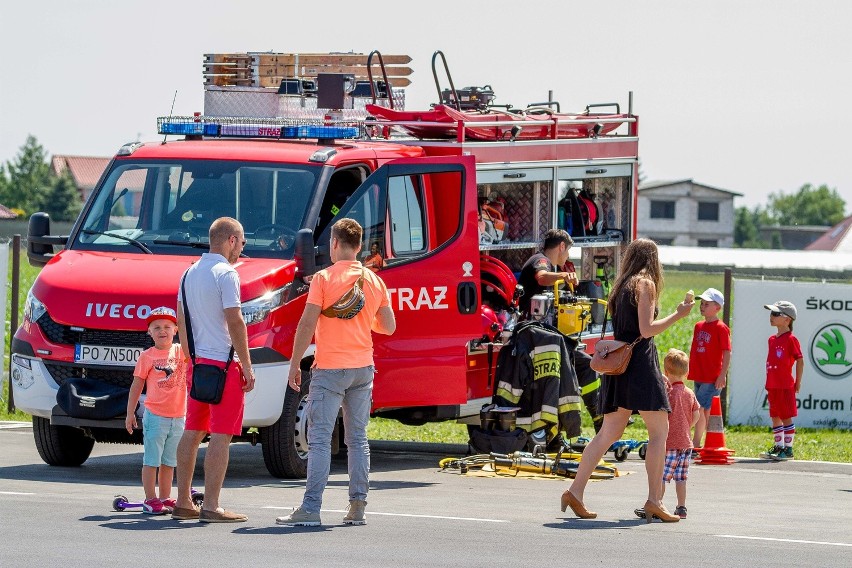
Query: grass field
(827,445)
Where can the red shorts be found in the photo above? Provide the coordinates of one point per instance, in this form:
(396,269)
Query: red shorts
(782,403)
(225,417)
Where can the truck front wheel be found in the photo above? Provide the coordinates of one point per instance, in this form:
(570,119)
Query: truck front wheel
(285,443)
(61,445)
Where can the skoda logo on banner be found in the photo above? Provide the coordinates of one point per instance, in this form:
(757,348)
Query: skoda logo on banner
(831,351)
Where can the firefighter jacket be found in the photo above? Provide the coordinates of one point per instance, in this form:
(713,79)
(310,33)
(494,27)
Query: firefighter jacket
(534,373)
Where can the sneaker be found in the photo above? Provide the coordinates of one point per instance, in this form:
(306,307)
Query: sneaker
(772,452)
(300,518)
(168,505)
(153,507)
(355,516)
(785,454)
(220,515)
(640,512)
(680,511)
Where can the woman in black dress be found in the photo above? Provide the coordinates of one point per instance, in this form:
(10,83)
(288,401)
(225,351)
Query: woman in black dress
(642,388)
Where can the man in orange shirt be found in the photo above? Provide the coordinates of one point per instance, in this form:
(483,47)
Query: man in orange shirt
(345,303)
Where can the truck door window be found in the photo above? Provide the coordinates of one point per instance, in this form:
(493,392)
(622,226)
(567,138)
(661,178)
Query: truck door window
(405,205)
(341,186)
(368,208)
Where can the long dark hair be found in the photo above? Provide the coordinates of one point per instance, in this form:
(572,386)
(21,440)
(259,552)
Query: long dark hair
(641,260)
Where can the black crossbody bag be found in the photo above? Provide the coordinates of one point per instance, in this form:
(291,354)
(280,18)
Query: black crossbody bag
(208,381)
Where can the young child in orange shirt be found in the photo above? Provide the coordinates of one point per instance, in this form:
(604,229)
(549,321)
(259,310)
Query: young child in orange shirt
(162,368)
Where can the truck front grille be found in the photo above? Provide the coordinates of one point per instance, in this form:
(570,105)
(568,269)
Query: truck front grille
(58,333)
(61,372)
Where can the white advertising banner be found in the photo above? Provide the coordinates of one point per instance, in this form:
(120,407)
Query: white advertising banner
(824,330)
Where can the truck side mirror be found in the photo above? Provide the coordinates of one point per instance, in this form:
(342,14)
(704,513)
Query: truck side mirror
(39,243)
(304,254)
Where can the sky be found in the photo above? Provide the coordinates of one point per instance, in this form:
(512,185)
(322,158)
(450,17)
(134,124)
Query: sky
(750,96)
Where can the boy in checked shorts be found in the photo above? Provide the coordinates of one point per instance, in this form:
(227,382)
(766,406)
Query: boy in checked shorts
(682,418)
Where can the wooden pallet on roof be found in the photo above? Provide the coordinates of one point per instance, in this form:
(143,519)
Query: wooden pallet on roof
(268,69)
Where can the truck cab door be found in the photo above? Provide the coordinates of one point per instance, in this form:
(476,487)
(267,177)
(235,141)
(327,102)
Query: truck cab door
(420,236)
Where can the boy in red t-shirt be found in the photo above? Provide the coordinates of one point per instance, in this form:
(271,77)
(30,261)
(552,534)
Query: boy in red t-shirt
(709,358)
(781,386)
(682,418)
(162,368)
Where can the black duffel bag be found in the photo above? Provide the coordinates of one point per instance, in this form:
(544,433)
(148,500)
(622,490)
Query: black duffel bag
(497,441)
(90,399)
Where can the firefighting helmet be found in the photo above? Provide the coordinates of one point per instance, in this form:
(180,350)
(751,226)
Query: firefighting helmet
(498,282)
(588,211)
(491,327)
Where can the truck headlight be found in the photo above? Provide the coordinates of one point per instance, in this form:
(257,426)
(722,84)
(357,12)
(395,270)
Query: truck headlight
(33,308)
(256,310)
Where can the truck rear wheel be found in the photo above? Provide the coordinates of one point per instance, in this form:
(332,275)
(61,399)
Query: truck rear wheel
(285,443)
(61,445)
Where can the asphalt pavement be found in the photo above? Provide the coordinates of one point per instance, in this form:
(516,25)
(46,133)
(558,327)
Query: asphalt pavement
(754,513)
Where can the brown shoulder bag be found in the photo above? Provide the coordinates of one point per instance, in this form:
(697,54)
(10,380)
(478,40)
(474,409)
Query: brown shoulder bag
(611,356)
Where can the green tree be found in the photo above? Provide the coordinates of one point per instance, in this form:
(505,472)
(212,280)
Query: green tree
(4,185)
(29,177)
(747,225)
(809,206)
(61,201)
(745,230)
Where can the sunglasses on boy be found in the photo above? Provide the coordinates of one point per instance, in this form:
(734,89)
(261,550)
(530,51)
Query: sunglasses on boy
(775,314)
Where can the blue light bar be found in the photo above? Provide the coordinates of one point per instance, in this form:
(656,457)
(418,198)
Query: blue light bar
(251,128)
(189,128)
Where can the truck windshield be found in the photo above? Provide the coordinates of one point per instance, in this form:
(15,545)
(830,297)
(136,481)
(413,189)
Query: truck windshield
(166,207)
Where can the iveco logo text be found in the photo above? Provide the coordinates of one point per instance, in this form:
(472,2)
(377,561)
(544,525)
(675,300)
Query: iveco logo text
(128,311)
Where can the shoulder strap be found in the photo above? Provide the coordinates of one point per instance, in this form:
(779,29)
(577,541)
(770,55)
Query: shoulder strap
(187,320)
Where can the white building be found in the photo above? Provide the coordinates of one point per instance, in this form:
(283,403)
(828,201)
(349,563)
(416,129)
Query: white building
(685,213)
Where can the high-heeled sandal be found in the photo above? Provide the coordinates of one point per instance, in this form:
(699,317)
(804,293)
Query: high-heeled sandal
(654,512)
(568,500)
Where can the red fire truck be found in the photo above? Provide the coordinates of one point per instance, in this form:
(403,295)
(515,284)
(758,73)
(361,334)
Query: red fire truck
(453,199)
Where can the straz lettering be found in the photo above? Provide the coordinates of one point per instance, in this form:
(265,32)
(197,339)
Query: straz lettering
(424,298)
(129,311)
(268,131)
(546,365)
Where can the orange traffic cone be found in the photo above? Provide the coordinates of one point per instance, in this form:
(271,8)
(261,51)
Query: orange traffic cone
(714,451)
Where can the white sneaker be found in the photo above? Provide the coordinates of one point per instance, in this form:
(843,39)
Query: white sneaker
(299,518)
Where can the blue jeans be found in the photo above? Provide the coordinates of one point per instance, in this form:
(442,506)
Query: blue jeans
(330,389)
(704,393)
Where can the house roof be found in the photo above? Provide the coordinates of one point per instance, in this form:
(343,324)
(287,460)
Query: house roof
(6,213)
(660,183)
(837,239)
(84,170)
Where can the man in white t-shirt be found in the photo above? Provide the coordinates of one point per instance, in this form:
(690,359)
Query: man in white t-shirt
(213,302)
